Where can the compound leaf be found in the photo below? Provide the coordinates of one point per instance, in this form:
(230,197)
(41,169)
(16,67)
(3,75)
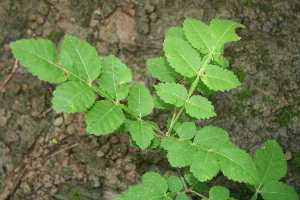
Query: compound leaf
(199,107)
(86,62)
(182,57)
(270,162)
(204,165)
(276,190)
(219,193)
(115,78)
(217,78)
(161,69)
(180,153)
(174,183)
(142,133)
(73,96)
(156,182)
(172,93)
(40,58)
(237,165)
(140,101)
(104,118)
(209,135)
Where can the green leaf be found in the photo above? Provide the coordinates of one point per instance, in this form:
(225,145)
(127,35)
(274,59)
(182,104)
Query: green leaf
(140,101)
(217,78)
(40,58)
(182,57)
(209,135)
(158,103)
(180,153)
(73,96)
(182,196)
(210,39)
(276,190)
(186,130)
(204,165)
(201,87)
(142,133)
(237,165)
(161,69)
(199,107)
(218,193)
(167,142)
(176,32)
(139,192)
(223,31)
(86,62)
(156,182)
(175,184)
(104,118)
(270,163)
(115,78)
(193,181)
(172,93)
(221,60)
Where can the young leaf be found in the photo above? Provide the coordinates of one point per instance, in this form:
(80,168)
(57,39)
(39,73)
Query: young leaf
(142,133)
(184,58)
(187,130)
(115,78)
(86,62)
(156,182)
(140,101)
(73,96)
(40,58)
(276,190)
(210,39)
(104,118)
(218,193)
(209,135)
(270,163)
(204,165)
(217,78)
(199,107)
(180,153)
(172,93)
(161,69)
(175,184)
(176,32)
(237,165)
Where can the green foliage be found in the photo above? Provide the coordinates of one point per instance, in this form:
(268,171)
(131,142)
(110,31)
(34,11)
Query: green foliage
(193,61)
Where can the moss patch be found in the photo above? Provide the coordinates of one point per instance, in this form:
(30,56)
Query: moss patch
(245,94)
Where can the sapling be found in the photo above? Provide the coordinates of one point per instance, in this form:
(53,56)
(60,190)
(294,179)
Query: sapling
(193,65)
